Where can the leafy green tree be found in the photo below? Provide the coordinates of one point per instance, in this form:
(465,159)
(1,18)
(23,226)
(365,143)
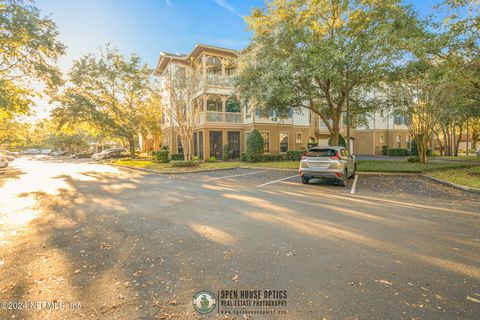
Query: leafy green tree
(108,92)
(29,51)
(255,145)
(312,54)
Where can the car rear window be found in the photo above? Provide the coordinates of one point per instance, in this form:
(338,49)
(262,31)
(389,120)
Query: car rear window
(321,153)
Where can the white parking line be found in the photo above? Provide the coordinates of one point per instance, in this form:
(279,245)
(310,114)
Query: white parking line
(261,185)
(354,185)
(235,175)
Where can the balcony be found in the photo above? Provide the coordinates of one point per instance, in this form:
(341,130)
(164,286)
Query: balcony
(221,117)
(215,80)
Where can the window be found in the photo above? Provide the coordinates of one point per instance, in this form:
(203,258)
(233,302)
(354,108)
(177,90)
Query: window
(266,141)
(407,140)
(398,141)
(298,137)
(214,104)
(179,145)
(382,139)
(283,142)
(195,144)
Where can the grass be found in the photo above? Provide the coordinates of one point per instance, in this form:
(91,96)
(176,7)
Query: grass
(166,167)
(407,167)
(470,158)
(469,177)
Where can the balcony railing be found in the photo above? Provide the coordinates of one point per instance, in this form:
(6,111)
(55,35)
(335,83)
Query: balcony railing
(213,116)
(216,80)
(235,117)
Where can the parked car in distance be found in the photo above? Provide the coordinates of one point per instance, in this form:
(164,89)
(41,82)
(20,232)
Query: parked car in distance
(32,151)
(11,153)
(327,162)
(7,154)
(111,154)
(81,155)
(3,161)
(57,153)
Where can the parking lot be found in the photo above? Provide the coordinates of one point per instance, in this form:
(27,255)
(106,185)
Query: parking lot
(125,243)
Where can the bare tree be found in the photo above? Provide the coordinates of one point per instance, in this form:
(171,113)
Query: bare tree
(181,84)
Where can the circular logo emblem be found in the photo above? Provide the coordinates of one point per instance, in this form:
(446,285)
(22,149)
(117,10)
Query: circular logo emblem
(204,302)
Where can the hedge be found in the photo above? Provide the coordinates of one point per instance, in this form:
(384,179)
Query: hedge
(270,157)
(397,152)
(181,163)
(178,156)
(294,155)
(161,156)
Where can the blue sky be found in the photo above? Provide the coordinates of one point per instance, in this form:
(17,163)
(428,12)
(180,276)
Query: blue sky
(147,27)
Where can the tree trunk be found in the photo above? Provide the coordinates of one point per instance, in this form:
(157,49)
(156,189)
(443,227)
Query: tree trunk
(422,145)
(474,141)
(457,143)
(131,145)
(439,143)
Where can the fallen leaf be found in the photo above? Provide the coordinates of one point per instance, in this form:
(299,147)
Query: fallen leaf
(235,277)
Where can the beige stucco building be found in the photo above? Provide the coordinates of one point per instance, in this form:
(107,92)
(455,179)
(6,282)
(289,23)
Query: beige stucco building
(223,120)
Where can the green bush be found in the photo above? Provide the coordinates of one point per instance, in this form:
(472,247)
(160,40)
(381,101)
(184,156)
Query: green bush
(294,155)
(384,150)
(413,159)
(341,141)
(178,156)
(181,163)
(195,158)
(414,149)
(226,152)
(164,147)
(211,159)
(254,146)
(397,152)
(243,157)
(271,157)
(161,156)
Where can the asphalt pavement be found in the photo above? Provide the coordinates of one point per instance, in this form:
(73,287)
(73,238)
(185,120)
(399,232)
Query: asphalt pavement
(109,243)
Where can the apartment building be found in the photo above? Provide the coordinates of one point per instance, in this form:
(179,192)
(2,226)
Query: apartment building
(224,120)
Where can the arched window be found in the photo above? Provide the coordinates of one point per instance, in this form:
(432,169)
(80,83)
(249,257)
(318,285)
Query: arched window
(214,103)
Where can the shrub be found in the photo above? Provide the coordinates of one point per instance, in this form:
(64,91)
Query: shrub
(254,146)
(226,152)
(161,156)
(397,152)
(294,155)
(195,158)
(384,150)
(178,156)
(243,157)
(271,157)
(164,147)
(211,159)
(181,163)
(413,159)
(341,141)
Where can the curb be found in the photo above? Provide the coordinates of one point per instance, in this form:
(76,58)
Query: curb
(454,185)
(165,172)
(366,173)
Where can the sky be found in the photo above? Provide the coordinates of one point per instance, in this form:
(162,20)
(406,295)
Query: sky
(147,27)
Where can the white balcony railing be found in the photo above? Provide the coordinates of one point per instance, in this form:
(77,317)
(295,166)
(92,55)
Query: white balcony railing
(216,80)
(213,116)
(235,117)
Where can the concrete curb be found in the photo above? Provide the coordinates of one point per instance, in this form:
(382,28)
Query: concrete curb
(166,172)
(366,173)
(454,185)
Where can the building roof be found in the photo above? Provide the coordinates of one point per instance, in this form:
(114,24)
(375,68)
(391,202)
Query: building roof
(166,57)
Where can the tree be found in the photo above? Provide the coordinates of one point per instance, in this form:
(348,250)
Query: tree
(109,93)
(181,85)
(28,53)
(151,115)
(255,145)
(310,54)
(420,92)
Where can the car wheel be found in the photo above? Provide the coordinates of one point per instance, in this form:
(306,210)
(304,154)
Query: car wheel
(343,181)
(305,180)
(354,172)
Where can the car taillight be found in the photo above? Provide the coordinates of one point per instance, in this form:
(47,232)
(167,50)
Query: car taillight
(334,158)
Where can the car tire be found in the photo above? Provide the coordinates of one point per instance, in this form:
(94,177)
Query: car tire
(343,181)
(354,172)
(305,180)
